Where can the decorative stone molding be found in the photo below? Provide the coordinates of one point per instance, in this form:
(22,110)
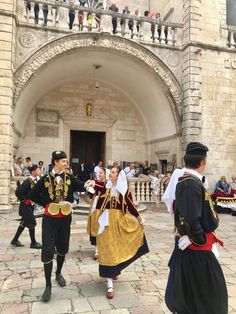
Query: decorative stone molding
(71,42)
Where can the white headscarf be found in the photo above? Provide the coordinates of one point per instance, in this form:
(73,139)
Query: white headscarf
(169,195)
(121,185)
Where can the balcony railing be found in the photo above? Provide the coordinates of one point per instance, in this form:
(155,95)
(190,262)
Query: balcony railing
(230,35)
(99,20)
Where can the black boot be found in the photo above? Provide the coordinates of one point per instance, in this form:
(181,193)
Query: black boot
(46,296)
(15,240)
(35,245)
(61,280)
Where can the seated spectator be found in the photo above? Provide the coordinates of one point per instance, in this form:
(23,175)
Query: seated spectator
(222,186)
(232,185)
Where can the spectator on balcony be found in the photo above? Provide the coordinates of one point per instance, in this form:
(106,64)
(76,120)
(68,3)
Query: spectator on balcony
(71,14)
(36,12)
(18,167)
(81,15)
(159,19)
(27,6)
(138,24)
(114,9)
(122,21)
(45,14)
(152,16)
(89,21)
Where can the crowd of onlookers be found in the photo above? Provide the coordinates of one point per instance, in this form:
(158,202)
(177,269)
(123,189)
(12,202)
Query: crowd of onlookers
(155,17)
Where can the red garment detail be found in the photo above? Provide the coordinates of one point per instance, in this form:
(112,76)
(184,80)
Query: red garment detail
(211,239)
(46,213)
(27,202)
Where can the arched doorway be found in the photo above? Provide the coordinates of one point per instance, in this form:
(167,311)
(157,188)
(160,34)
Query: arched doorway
(145,97)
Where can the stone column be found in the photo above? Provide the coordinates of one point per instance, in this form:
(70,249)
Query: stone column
(7,53)
(191,112)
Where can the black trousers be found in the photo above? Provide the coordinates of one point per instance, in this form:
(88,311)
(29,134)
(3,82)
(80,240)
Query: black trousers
(55,234)
(27,213)
(114,25)
(71,20)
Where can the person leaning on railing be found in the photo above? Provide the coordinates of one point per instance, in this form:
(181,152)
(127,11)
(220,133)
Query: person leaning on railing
(114,9)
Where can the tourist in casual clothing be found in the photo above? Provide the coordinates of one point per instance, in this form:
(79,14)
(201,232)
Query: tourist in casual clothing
(18,167)
(166,180)
(29,163)
(232,186)
(155,185)
(54,192)
(71,15)
(130,171)
(92,225)
(45,14)
(43,170)
(122,21)
(36,12)
(196,282)
(114,9)
(26,209)
(121,239)
(222,186)
(97,170)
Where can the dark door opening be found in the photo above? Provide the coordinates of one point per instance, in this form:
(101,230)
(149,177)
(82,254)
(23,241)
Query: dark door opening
(86,148)
(163,166)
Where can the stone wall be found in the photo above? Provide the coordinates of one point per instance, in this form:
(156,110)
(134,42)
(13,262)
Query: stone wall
(7,51)
(113,113)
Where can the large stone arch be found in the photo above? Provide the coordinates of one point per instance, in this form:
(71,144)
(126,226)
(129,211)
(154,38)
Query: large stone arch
(71,42)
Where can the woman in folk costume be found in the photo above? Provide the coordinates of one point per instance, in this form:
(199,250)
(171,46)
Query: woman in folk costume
(92,225)
(121,239)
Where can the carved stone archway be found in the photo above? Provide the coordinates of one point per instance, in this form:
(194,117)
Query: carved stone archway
(68,43)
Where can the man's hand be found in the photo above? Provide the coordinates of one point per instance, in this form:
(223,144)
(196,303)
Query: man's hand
(184,242)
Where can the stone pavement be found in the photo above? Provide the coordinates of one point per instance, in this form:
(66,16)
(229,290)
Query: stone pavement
(140,288)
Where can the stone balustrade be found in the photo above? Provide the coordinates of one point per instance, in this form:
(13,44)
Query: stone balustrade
(230,36)
(140,188)
(100,20)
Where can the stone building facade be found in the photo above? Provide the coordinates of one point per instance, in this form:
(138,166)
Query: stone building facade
(148,98)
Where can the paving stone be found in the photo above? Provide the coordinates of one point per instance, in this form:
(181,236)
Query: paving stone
(128,299)
(53,307)
(99,303)
(81,305)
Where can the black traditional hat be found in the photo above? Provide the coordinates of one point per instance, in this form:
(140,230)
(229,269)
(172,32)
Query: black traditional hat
(197,149)
(58,154)
(32,168)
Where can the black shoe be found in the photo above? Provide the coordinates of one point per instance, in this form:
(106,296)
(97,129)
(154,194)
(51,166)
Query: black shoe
(16,243)
(61,280)
(35,245)
(46,296)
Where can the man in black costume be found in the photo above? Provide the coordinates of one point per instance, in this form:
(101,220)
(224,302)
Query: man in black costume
(196,282)
(26,209)
(54,192)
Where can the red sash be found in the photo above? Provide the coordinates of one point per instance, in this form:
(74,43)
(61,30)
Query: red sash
(211,238)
